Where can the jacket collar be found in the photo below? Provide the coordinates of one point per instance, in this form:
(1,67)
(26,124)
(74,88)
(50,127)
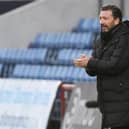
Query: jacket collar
(107,36)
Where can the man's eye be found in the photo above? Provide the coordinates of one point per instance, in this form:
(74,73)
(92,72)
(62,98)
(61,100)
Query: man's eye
(105,18)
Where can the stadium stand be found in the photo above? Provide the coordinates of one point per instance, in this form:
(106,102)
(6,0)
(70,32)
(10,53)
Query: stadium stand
(87,25)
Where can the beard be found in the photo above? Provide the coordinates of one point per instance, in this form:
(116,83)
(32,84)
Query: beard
(105,35)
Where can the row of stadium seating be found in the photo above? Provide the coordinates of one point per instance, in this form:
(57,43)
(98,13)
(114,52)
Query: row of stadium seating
(24,56)
(64,73)
(87,25)
(64,40)
(41,56)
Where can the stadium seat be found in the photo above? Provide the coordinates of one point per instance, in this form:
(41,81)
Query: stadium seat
(67,74)
(25,56)
(63,40)
(66,56)
(27,71)
(88,25)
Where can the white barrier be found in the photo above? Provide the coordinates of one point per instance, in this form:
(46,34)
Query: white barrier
(77,115)
(26,104)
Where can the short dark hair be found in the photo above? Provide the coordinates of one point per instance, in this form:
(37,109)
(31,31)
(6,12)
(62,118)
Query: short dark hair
(116,12)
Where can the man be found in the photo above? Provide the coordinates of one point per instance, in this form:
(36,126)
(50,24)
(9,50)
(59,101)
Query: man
(110,62)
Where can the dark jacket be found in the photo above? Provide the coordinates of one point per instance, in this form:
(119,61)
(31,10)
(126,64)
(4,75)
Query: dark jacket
(110,63)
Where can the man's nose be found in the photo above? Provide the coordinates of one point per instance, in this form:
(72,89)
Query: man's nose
(101,21)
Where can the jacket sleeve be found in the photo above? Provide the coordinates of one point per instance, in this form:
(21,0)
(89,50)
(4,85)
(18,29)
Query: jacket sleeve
(117,63)
(89,71)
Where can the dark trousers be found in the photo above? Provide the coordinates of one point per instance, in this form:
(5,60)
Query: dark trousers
(120,128)
(102,126)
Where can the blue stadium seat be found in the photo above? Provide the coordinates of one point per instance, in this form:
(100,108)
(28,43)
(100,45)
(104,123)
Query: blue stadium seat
(26,71)
(88,24)
(66,56)
(67,74)
(64,40)
(32,56)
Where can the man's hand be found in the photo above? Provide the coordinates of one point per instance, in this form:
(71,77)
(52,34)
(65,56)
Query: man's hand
(82,61)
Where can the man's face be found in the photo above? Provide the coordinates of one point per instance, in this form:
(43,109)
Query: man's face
(107,20)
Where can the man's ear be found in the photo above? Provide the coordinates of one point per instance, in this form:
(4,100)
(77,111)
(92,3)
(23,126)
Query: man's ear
(117,21)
